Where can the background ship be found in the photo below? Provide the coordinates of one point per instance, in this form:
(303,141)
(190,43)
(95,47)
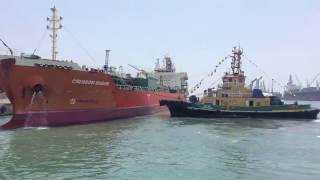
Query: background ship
(50,92)
(297,92)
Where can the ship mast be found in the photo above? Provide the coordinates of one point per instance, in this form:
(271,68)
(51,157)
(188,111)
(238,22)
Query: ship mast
(237,78)
(54,26)
(236,60)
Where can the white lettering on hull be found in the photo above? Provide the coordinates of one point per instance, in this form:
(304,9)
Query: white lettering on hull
(73,101)
(90,82)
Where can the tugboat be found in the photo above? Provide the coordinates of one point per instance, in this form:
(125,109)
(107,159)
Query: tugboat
(234,100)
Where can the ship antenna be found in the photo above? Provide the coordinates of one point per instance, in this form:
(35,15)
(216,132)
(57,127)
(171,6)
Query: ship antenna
(54,26)
(236,60)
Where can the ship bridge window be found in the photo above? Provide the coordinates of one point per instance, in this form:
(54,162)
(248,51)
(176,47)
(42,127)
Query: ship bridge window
(251,103)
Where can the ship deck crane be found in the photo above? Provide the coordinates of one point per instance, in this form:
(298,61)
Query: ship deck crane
(255,80)
(139,69)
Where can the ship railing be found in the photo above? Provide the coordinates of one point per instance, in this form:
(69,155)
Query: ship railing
(139,88)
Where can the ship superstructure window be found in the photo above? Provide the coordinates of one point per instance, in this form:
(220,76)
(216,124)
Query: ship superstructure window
(210,92)
(251,103)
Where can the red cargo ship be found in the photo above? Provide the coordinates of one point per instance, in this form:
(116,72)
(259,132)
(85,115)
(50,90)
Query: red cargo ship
(47,92)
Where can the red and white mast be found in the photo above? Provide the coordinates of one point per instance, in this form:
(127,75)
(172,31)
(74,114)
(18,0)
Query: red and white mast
(54,26)
(236,60)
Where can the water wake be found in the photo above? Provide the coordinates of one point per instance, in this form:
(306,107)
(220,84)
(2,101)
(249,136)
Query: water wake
(37,99)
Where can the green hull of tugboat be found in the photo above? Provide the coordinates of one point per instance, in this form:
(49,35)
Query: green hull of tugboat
(292,111)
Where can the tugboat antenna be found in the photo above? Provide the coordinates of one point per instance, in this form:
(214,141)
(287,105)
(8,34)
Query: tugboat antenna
(236,60)
(54,26)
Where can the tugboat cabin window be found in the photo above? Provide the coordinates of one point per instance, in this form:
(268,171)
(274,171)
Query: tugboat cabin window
(224,95)
(250,103)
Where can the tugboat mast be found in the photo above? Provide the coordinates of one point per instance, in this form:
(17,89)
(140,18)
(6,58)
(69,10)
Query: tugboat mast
(236,60)
(236,78)
(54,26)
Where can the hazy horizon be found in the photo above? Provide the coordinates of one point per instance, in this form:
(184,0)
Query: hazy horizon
(282,38)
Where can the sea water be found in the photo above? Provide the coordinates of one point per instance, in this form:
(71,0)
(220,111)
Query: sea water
(160,147)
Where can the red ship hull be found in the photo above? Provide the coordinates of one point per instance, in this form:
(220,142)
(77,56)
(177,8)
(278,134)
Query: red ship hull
(43,96)
(64,118)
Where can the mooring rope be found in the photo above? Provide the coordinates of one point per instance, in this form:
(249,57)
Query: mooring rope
(80,45)
(40,42)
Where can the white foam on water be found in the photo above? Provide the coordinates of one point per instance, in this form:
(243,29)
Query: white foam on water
(318,121)
(36,128)
(318,136)
(42,128)
(28,128)
(29,113)
(39,98)
(235,141)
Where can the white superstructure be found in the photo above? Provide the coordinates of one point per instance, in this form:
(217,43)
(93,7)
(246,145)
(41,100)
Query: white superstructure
(167,75)
(172,79)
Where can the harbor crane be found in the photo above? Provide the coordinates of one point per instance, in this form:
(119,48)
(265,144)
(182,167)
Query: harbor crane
(299,82)
(314,79)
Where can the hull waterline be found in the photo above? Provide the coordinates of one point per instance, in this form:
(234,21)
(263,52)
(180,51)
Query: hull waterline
(65,118)
(182,109)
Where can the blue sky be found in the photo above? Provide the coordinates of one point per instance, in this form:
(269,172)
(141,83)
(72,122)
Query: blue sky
(282,37)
